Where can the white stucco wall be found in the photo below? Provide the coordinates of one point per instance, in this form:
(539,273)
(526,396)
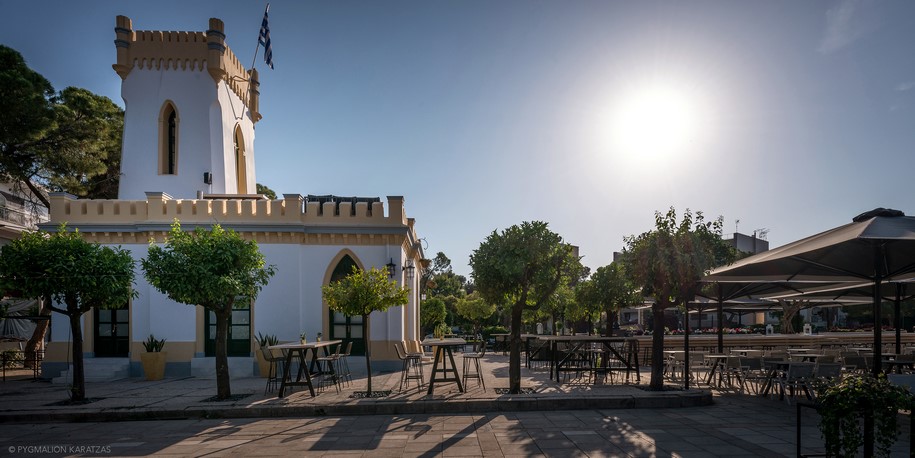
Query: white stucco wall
(207,116)
(231,112)
(291,303)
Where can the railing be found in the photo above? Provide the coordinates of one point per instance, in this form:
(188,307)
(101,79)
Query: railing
(21,218)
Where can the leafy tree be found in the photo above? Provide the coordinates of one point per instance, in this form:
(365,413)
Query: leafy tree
(64,269)
(433,313)
(214,269)
(560,306)
(522,266)
(668,262)
(261,189)
(361,293)
(611,289)
(68,141)
(475,309)
(584,307)
(440,280)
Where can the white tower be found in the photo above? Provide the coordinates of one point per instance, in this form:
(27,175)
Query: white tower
(190,113)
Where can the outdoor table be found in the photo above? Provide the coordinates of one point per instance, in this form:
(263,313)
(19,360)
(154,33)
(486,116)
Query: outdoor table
(501,339)
(859,349)
(534,352)
(896,365)
(445,346)
(810,357)
(302,350)
(630,361)
(774,368)
(745,351)
(716,362)
(798,350)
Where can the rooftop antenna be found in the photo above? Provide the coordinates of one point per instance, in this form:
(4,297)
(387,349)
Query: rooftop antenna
(761,233)
(736,225)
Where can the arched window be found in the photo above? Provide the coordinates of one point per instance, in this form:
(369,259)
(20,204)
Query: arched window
(343,327)
(241,172)
(168,140)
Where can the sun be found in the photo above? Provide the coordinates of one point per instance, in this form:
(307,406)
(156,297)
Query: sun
(654,124)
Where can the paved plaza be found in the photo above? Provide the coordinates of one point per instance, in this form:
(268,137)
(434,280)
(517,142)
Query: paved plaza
(734,424)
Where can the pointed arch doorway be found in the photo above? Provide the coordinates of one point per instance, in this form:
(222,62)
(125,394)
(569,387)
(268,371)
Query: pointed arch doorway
(344,327)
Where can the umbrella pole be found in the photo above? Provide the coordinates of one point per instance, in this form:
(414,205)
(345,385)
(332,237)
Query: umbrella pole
(897,317)
(686,369)
(720,318)
(878,324)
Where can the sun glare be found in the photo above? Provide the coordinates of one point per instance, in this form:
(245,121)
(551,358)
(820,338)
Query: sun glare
(653,124)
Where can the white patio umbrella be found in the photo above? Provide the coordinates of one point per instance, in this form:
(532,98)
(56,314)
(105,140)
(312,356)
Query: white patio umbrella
(876,247)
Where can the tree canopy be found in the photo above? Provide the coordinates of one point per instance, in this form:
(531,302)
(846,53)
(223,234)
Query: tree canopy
(433,313)
(68,141)
(475,309)
(211,268)
(361,293)
(522,267)
(73,276)
(610,289)
(269,193)
(667,264)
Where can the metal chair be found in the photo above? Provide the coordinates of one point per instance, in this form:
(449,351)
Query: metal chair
(274,358)
(327,366)
(474,357)
(343,364)
(795,379)
(412,368)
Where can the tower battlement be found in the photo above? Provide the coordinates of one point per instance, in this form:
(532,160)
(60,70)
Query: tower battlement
(185,51)
(160,208)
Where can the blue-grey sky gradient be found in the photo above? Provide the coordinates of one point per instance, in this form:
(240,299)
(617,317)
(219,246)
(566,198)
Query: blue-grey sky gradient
(484,114)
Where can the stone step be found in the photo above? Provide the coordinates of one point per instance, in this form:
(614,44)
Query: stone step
(98,370)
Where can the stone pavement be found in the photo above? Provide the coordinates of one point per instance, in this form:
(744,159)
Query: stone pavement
(135,398)
(572,419)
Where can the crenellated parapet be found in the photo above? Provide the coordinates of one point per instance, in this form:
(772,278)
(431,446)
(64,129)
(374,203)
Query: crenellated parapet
(185,51)
(290,214)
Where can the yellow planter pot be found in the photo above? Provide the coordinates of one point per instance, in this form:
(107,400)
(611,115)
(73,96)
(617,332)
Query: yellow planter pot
(154,365)
(263,366)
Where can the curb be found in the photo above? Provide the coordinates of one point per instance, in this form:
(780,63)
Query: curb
(693,398)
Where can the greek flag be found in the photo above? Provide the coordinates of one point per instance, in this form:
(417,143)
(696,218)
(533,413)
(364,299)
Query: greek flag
(264,39)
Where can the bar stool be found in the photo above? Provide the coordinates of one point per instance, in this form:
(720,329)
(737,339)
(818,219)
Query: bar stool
(273,379)
(343,372)
(474,357)
(327,365)
(412,368)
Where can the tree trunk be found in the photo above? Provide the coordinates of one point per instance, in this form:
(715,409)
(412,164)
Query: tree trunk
(368,354)
(657,348)
(223,388)
(514,358)
(78,391)
(611,318)
(37,340)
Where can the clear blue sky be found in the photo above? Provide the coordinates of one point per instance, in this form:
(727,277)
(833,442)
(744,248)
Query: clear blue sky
(791,116)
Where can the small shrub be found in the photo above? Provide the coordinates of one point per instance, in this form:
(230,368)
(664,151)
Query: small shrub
(152,345)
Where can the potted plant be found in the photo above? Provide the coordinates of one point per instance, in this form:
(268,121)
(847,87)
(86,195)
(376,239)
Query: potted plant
(302,339)
(842,406)
(264,341)
(154,359)
(440,330)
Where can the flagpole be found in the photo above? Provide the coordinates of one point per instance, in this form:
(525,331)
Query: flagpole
(257,47)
